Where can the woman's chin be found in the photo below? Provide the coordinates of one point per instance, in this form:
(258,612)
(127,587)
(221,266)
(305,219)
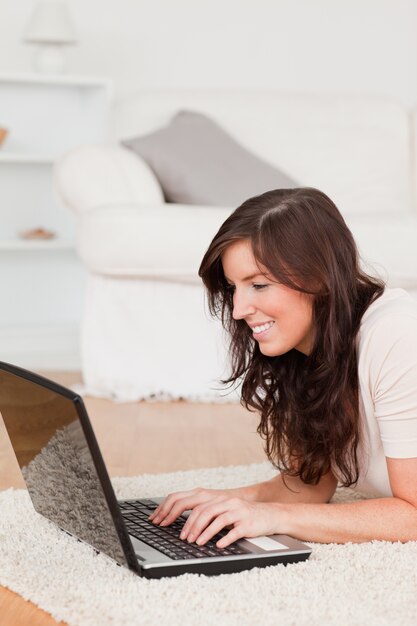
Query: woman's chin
(269,350)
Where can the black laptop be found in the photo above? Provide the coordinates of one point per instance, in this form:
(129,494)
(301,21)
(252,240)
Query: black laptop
(68,483)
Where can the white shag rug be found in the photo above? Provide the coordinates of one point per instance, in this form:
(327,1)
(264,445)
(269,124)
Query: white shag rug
(344,585)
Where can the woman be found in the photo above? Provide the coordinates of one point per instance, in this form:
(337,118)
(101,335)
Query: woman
(328,357)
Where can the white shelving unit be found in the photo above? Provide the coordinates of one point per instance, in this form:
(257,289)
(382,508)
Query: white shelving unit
(31,245)
(10,157)
(43,280)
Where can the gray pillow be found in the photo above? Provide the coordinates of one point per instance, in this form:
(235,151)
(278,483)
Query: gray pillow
(197,162)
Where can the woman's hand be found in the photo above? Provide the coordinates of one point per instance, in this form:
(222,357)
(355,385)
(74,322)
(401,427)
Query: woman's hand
(243,518)
(176,503)
(216,509)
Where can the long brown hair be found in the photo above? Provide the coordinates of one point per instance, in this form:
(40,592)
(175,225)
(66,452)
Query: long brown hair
(308,404)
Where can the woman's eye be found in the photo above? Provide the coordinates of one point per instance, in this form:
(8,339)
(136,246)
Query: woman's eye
(231,288)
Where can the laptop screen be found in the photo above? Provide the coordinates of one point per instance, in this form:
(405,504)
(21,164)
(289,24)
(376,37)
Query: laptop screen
(56,462)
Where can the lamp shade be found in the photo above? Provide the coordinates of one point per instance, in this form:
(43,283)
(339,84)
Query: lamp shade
(50,23)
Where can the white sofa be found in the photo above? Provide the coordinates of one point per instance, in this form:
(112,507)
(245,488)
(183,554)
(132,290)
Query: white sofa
(146,331)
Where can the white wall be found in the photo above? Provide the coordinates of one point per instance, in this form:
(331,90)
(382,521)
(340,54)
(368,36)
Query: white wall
(367,46)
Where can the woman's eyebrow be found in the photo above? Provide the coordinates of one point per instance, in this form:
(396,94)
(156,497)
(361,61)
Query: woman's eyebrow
(247,277)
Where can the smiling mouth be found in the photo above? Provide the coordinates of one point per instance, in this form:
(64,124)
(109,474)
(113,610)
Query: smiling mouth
(263,328)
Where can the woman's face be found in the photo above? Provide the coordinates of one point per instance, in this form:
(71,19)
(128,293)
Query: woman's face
(281,317)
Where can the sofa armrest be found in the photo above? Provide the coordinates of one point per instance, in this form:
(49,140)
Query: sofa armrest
(165,241)
(97,175)
(387,245)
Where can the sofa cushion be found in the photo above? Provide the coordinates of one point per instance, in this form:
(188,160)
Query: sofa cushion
(90,176)
(197,162)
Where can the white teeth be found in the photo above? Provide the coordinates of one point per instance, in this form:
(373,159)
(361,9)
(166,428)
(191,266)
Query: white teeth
(260,329)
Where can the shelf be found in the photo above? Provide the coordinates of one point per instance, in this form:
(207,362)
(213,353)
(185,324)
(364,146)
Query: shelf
(22,245)
(26,158)
(43,280)
(56,79)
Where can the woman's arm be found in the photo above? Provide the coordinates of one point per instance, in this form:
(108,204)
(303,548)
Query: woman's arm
(288,489)
(385,519)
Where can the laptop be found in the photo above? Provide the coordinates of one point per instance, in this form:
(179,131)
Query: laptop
(68,483)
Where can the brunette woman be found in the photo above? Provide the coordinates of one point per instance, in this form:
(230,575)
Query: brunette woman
(327,355)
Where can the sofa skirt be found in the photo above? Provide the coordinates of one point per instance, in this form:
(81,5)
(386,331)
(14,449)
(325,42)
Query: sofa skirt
(153,340)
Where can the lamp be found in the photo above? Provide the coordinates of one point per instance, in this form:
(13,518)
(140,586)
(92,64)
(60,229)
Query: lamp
(51,27)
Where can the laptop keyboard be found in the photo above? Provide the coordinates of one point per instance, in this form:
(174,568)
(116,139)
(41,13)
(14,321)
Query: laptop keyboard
(166,538)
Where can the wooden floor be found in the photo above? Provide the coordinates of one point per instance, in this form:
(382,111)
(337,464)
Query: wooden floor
(144,437)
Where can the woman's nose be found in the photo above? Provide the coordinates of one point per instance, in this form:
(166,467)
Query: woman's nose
(242,307)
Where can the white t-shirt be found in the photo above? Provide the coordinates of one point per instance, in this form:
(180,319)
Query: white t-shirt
(387,370)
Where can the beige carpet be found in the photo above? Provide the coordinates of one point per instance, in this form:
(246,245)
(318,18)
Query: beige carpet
(373,584)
